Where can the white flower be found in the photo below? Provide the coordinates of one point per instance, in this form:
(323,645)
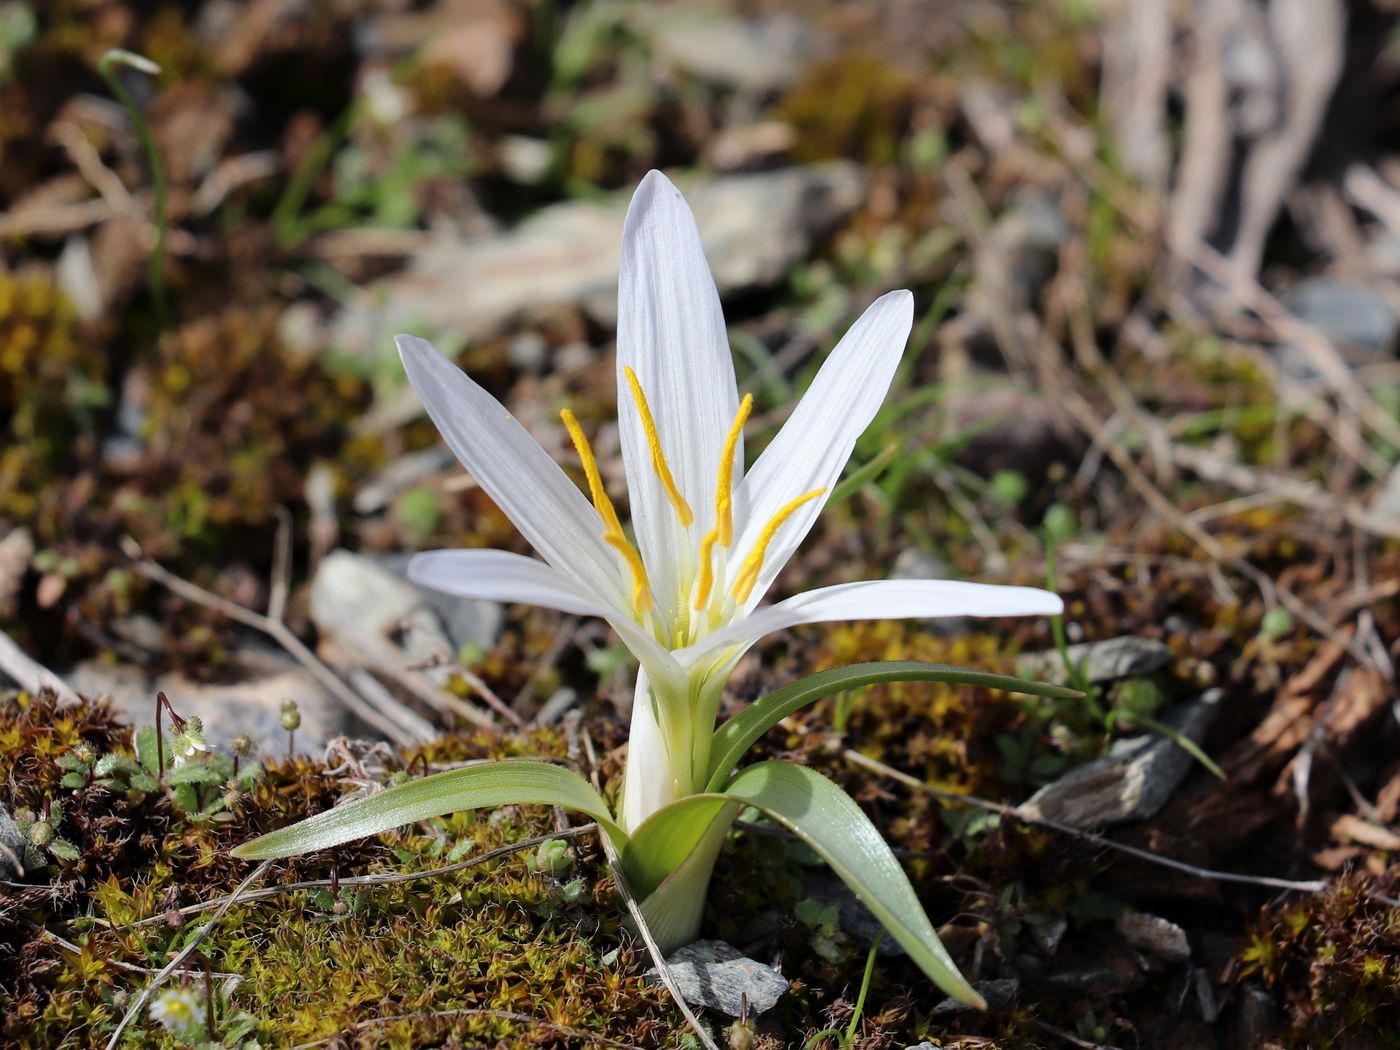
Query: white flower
(180,1010)
(708,537)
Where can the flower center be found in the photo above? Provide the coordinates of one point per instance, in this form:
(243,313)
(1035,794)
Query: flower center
(715,541)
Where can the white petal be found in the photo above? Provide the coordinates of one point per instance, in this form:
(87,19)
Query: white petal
(670,331)
(649,782)
(528,486)
(500,576)
(814,444)
(882,600)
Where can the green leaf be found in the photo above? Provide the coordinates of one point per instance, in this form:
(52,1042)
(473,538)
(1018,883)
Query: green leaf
(195,773)
(146,749)
(663,842)
(829,821)
(475,787)
(740,733)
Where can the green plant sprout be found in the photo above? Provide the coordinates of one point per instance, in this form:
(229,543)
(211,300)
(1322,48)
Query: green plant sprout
(846,1038)
(683,590)
(156,263)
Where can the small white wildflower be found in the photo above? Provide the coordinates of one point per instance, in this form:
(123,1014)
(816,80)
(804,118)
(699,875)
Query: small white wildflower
(189,739)
(179,1009)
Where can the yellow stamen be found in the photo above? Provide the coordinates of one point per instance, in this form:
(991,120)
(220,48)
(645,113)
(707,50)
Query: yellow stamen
(753,564)
(724,518)
(706,579)
(612,527)
(658,457)
(723,531)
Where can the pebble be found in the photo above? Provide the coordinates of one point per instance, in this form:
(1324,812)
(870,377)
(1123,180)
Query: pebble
(1133,781)
(1156,936)
(718,976)
(755,227)
(1124,657)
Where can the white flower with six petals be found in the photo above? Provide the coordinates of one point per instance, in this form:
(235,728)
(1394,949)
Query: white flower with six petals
(709,537)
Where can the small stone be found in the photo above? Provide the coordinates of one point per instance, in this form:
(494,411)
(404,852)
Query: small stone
(1124,657)
(470,623)
(1359,319)
(716,975)
(248,704)
(756,55)
(1133,781)
(999,995)
(1258,1017)
(1047,936)
(1155,936)
(755,227)
(1205,995)
(851,913)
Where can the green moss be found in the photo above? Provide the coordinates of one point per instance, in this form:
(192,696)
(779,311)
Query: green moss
(1335,960)
(462,955)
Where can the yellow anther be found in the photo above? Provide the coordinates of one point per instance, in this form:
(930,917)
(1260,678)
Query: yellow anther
(723,531)
(753,564)
(658,457)
(706,579)
(612,527)
(724,494)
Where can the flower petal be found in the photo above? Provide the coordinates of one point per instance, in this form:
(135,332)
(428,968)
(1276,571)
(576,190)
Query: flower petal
(500,576)
(649,782)
(881,600)
(528,486)
(670,331)
(813,446)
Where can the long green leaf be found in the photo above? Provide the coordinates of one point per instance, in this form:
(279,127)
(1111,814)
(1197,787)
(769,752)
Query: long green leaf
(475,787)
(674,907)
(829,821)
(740,733)
(663,842)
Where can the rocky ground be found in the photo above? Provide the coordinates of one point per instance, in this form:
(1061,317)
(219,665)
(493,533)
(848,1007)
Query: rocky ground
(1155,359)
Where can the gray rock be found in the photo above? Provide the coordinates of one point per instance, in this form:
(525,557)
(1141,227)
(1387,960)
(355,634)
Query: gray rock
(715,975)
(757,55)
(468,622)
(1133,781)
(375,616)
(1155,936)
(1205,995)
(914,563)
(1124,657)
(851,913)
(1047,936)
(755,227)
(1360,320)
(999,995)
(1258,1017)
(249,703)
